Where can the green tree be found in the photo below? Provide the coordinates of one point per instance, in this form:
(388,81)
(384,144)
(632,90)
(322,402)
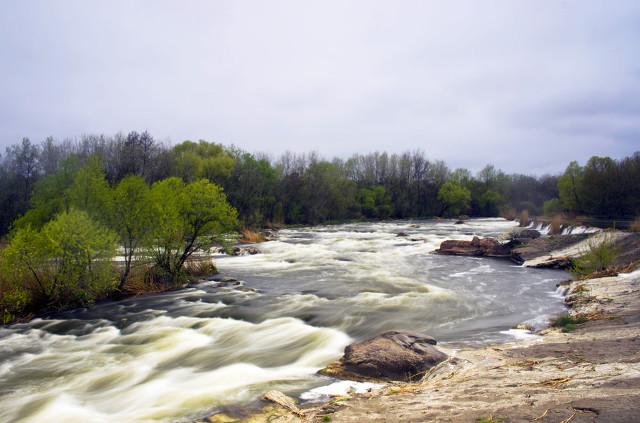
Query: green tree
(570,187)
(130,217)
(375,202)
(186,218)
(90,191)
(202,160)
(50,195)
(455,198)
(68,262)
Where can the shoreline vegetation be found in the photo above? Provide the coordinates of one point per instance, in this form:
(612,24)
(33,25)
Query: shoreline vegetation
(583,364)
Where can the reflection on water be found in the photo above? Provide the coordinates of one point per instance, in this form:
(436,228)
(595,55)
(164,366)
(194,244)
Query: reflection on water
(181,354)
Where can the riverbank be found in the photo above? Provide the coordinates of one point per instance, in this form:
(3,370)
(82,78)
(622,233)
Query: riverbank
(582,372)
(589,374)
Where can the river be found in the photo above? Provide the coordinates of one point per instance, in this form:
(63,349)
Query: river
(182,354)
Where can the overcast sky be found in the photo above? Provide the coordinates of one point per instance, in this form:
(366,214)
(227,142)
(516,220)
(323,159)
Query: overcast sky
(526,85)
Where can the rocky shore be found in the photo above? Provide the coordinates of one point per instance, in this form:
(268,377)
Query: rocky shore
(583,368)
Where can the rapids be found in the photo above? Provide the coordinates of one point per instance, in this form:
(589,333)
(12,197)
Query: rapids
(182,354)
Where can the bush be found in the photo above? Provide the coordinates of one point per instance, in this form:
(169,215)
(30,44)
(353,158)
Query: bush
(67,263)
(599,256)
(568,323)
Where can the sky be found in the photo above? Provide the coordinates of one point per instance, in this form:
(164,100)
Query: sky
(525,85)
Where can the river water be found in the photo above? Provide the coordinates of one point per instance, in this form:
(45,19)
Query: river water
(179,355)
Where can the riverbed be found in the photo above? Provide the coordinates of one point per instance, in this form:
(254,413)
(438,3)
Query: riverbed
(181,354)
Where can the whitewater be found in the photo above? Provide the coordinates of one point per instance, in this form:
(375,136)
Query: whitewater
(183,354)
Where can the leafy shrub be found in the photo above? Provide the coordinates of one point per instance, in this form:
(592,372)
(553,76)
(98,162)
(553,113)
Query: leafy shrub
(568,323)
(66,263)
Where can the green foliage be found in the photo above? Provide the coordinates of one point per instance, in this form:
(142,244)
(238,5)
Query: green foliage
(552,207)
(600,254)
(570,187)
(567,323)
(375,202)
(490,203)
(202,160)
(67,262)
(90,190)
(455,198)
(185,218)
(130,215)
(50,195)
(490,419)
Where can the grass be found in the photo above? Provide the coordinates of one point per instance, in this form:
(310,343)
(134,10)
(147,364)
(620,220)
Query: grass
(599,256)
(251,237)
(555,227)
(489,419)
(326,418)
(568,323)
(524,218)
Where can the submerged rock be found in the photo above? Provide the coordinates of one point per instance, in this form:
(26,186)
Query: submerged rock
(242,251)
(402,234)
(459,222)
(391,355)
(485,247)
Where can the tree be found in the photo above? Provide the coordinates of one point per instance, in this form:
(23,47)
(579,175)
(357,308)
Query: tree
(186,218)
(90,190)
(202,160)
(131,218)
(570,188)
(68,262)
(454,197)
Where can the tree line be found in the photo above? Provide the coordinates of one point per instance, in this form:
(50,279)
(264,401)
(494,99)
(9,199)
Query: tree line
(70,207)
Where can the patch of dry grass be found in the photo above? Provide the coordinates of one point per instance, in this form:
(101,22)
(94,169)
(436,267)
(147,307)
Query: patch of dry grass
(249,236)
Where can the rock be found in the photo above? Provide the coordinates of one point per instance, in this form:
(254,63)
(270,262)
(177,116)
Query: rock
(284,401)
(414,225)
(270,234)
(527,234)
(459,222)
(485,247)
(391,355)
(524,326)
(242,251)
(561,263)
(402,234)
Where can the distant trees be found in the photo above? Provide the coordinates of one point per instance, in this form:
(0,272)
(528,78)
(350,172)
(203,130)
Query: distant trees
(603,187)
(37,182)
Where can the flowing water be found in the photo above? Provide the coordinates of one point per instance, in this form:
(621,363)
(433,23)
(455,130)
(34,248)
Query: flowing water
(182,354)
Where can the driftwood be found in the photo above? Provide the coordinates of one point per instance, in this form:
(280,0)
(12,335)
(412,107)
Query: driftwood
(284,401)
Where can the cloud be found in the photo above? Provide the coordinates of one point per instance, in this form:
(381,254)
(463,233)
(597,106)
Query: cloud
(525,85)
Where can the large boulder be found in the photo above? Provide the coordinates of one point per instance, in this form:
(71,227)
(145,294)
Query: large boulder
(391,355)
(485,247)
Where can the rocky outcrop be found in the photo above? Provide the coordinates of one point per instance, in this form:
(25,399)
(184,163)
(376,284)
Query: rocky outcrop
(391,355)
(485,247)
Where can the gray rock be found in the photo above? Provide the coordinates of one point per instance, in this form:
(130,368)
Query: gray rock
(391,355)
